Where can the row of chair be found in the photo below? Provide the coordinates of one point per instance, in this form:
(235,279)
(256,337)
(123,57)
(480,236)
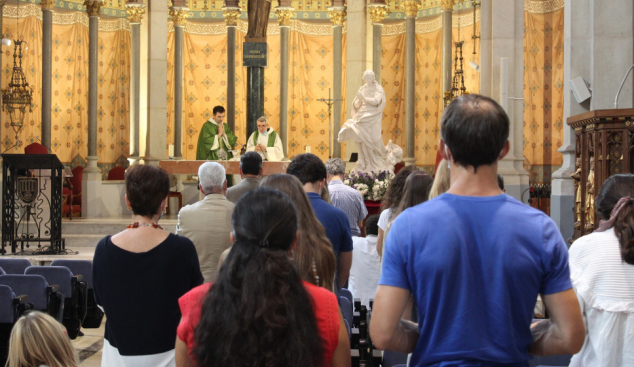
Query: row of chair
(71,300)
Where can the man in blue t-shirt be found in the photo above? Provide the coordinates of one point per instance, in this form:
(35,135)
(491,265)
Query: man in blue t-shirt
(474,260)
(311,171)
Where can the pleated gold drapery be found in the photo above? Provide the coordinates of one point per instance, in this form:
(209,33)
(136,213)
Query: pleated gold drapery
(429,91)
(543,93)
(69,121)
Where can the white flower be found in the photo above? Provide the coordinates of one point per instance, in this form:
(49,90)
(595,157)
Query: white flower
(346,182)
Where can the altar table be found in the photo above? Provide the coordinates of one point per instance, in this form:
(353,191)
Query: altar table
(232,167)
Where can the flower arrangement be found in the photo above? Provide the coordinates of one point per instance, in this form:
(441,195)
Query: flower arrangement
(372,186)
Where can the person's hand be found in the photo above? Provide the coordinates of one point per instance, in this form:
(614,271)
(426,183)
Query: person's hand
(257,148)
(221,130)
(262,148)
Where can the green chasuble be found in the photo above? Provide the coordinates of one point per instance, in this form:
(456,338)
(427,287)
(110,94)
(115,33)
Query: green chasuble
(206,140)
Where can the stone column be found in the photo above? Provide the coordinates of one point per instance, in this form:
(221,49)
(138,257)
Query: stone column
(411,12)
(47,54)
(179,17)
(91,184)
(504,47)
(156,138)
(231,15)
(2,2)
(135,10)
(377,10)
(447,43)
(337,15)
(284,15)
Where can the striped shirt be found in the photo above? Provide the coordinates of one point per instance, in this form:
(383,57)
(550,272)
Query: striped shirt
(350,201)
(603,283)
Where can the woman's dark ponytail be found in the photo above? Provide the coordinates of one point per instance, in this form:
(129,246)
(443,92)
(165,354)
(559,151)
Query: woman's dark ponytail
(258,312)
(614,189)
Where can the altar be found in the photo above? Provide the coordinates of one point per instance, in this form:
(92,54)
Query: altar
(178,167)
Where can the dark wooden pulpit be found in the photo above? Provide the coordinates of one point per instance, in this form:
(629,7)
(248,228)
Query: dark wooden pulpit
(604,144)
(32,203)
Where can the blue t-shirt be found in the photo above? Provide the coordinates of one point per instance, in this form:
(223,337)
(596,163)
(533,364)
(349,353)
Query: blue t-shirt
(335,223)
(474,266)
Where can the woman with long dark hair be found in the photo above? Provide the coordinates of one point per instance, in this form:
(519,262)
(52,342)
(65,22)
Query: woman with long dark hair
(259,312)
(390,202)
(602,273)
(416,191)
(313,255)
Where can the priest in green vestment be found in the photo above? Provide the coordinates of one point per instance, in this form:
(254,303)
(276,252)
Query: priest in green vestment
(216,140)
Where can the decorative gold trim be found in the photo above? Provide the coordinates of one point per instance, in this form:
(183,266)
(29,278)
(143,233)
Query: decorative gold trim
(336,16)
(231,16)
(135,14)
(377,13)
(93,8)
(32,10)
(284,16)
(272,29)
(179,17)
(540,7)
(411,7)
(46,4)
(447,4)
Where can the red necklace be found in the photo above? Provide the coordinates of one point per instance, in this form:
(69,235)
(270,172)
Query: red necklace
(137,225)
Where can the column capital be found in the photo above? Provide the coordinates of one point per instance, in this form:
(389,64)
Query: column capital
(411,8)
(93,8)
(179,16)
(46,4)
(336,14)
(377,12)
(284,15)
(135,12)
(447,4)
(231,16)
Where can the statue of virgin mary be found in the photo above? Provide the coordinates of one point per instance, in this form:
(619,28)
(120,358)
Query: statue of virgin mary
(365,128)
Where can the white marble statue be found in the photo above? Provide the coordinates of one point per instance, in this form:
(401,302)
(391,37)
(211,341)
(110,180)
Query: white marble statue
(365,128)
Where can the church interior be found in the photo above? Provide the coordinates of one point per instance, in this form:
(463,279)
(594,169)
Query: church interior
(116,83)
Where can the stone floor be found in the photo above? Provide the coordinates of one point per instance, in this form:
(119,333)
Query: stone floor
(90,345)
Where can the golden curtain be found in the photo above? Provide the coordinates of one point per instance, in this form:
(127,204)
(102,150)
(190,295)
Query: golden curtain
(428,88)
(543,93)
(205,78)
(69,116)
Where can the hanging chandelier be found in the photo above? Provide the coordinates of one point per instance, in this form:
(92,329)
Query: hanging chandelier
(18,95)
(457,83)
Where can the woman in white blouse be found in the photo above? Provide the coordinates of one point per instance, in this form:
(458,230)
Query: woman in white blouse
(602,272)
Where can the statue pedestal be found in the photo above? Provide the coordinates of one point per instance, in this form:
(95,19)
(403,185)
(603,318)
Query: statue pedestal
(255,59)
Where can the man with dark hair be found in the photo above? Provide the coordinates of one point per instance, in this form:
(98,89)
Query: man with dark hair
(474,261)
(366,262)
(311,171)
(215,139)
(250,170)
(345,197)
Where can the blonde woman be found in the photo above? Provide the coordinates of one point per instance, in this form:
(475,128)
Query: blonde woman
(442,180)
(38,340)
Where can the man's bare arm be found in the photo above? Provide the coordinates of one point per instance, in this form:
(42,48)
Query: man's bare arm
(564,332)
(387,330)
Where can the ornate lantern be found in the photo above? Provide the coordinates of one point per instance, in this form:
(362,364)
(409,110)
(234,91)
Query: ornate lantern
(18,95)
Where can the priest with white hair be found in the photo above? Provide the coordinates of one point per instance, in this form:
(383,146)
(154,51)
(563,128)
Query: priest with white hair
(266,142)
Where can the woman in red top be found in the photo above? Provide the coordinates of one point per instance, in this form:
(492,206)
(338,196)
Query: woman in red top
(259,312)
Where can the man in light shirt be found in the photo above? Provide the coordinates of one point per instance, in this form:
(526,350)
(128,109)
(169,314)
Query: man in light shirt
(345,197)
(208,222)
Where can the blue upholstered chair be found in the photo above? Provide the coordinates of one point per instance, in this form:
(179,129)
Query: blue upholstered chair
(346,293)
(11,308)
(94,315)
(14,266)
(42,296)
(74,290)
(346,311)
